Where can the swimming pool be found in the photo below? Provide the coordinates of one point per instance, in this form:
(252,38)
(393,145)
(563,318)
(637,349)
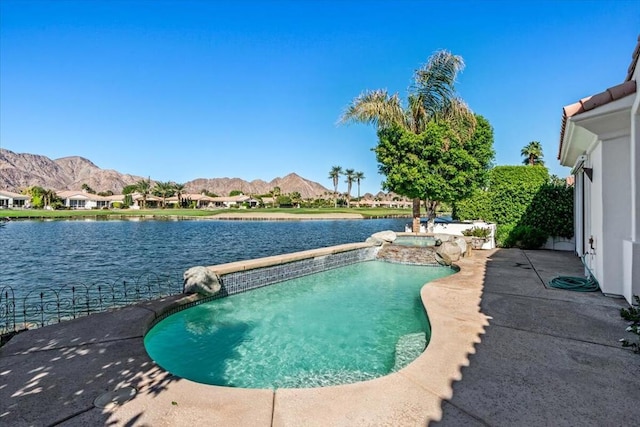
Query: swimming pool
(339,326)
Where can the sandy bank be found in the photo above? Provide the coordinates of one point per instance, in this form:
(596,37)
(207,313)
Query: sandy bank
(251,216)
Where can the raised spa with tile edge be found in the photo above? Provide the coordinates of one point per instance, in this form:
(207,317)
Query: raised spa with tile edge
(415,240)
(342,325)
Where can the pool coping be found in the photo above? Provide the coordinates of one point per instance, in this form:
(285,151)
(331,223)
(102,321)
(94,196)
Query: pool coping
(410,396)
(233,267)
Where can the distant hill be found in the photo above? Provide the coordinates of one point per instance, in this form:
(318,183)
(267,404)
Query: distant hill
(21,170)
(288,184)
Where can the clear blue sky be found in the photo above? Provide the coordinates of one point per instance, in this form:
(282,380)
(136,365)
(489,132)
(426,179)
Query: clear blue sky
(178,90)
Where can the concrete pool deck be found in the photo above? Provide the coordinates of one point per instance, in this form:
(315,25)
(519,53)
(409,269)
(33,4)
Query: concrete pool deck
(505,350)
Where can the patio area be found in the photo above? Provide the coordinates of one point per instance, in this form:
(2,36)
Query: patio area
(505,350)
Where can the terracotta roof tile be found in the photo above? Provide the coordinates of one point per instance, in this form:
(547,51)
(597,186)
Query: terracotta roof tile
(591,102)
(634,61)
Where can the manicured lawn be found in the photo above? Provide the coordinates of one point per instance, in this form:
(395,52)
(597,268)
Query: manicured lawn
(160,213)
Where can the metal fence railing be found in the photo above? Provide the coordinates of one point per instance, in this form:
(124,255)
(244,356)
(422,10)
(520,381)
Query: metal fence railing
(53,304)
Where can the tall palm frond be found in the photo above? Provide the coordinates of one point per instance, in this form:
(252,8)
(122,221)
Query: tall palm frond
(435,81)
(460,116)
(417,117)
(375,107)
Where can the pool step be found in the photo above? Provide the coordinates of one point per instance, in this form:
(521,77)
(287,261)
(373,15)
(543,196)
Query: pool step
(408,348)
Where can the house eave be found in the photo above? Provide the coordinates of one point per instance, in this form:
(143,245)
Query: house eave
(583,130)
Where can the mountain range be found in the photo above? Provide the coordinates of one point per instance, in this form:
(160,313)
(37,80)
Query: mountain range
(22,170)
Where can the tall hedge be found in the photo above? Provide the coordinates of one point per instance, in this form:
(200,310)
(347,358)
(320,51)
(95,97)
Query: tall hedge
(524,203)
(551,210)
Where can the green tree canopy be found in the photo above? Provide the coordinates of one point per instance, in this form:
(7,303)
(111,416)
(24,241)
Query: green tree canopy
(437,165)
(88,189)
(235,193)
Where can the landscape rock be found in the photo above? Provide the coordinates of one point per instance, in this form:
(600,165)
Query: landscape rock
(448,253)
(466,249)
(386,236)
(443,237)
(202,281)
(375,241)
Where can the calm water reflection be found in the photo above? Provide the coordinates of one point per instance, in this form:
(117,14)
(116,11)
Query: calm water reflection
(34,254)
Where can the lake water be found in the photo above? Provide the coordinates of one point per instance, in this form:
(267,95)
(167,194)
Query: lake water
(35,254)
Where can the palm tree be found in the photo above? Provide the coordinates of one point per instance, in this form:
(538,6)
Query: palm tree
(164,190)
(48,197)
(350,174)
(359,176)
(334,174)
(532,153)
(178,189)
(432,97)
(276,192)
(296,198)
(143,187)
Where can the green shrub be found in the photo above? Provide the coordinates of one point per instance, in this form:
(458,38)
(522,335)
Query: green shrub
(37,202)
(632,315)
(477,232)
(117,205)
(525,205)
(510,192)
(478,206)
(502,235)
(527,237)
(551,210)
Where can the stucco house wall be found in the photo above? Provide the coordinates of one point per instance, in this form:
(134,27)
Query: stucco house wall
(9,200)
(600,140)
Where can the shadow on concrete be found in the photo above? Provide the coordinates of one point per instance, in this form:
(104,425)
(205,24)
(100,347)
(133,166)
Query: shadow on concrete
(549,356)
(52,374)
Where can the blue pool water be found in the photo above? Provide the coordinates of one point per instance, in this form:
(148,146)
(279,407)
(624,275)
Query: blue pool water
(340,326)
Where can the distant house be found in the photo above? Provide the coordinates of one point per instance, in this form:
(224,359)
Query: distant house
(231,201)
(202,200)
(150,202)
(269,201)
(10,200)
(400,204)
(600,141)
(78,199)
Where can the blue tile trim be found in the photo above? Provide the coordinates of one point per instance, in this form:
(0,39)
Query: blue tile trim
(242,281)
